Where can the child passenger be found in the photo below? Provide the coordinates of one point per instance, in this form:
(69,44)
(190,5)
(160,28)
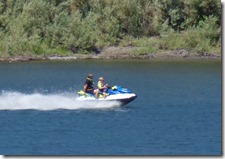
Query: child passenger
(102,87)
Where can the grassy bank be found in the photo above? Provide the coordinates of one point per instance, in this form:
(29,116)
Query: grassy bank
(70,27)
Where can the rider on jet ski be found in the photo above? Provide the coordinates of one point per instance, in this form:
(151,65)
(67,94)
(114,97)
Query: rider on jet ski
(102,87)
(89,86)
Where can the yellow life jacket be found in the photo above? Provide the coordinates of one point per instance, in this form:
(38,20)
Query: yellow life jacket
(100,85)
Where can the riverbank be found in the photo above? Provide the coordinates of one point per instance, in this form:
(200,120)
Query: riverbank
(119,53)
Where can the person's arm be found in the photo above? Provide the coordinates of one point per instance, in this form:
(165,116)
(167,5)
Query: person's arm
(85,88)
(106,86)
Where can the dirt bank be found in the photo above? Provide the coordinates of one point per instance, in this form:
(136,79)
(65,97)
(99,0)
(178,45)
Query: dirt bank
(120,53)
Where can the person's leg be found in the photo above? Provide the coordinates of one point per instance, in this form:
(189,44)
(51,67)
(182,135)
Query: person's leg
(104,94)
(96,91)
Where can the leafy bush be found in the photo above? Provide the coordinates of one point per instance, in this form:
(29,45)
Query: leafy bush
(40,27)
(202,38)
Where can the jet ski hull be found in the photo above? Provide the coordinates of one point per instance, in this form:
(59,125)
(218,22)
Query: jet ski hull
(126,100)
(122,98)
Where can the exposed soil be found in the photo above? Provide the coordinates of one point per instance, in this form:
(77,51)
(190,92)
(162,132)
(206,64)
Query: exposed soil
(120,53)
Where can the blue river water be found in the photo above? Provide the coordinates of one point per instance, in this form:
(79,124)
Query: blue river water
(178,110)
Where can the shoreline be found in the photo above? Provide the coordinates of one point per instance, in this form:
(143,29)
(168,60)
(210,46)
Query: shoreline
(119,53)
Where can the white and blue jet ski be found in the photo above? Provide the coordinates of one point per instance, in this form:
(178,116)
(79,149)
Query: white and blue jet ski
(115,93)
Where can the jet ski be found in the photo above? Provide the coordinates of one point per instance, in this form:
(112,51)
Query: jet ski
(115,93)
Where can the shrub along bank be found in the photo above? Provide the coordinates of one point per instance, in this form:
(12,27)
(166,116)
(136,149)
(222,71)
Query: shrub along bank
(67,27)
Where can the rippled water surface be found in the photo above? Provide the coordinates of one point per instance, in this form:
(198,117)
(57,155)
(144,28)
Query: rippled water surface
(177,111)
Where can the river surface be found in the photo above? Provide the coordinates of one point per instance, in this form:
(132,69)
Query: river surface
(178,110)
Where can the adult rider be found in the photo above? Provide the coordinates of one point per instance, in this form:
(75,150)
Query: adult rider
(89,86)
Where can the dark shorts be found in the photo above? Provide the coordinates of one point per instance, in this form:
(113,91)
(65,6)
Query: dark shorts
(104,90)
(91,91)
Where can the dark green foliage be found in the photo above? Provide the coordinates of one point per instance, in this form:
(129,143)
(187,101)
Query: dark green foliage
(40,27)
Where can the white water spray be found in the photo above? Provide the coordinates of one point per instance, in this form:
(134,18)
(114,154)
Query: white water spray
(39,101)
